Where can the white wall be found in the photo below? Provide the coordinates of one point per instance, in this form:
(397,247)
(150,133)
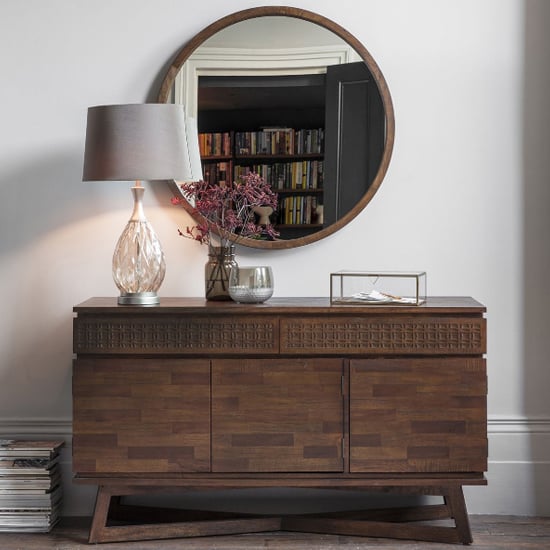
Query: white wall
(464,198)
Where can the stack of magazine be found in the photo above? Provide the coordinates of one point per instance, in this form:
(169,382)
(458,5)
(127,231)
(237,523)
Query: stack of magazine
(30,485)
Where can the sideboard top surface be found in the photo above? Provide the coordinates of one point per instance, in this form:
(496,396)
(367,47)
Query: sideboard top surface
(284,306)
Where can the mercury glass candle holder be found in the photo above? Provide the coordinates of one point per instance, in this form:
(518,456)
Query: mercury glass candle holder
(251,284)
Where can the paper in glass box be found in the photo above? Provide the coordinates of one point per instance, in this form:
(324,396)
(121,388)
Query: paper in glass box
(378,288)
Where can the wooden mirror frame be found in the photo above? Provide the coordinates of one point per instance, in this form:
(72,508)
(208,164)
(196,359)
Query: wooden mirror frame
(252,13)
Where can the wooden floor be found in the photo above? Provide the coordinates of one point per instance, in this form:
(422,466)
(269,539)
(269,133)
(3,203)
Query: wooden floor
(490,533)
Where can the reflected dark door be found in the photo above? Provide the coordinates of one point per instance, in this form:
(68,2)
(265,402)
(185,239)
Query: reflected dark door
(354,137)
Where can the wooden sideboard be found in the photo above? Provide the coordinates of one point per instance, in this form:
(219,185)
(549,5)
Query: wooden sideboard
(291,393)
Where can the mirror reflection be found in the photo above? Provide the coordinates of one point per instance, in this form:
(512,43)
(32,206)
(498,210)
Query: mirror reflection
(295,102)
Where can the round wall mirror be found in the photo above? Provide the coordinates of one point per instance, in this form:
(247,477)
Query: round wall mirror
(293,96)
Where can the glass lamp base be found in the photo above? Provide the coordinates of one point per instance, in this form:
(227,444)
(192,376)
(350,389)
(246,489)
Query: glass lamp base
(138,299)
(138,260)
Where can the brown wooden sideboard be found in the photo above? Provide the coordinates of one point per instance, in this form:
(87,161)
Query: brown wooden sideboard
(292,393)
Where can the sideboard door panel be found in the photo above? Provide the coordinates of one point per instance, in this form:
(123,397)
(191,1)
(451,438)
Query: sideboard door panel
(141,415)
(418,415)
(277,415)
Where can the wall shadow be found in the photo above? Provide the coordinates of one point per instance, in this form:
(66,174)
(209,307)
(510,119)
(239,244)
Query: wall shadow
(536,242)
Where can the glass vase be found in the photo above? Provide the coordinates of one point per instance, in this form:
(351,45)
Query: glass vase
(217,270)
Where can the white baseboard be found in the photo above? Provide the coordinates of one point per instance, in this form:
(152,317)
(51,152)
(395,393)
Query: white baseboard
(519,465)
(35,428)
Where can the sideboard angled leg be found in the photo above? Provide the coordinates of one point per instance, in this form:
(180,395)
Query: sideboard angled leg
(457,507)
(101,512)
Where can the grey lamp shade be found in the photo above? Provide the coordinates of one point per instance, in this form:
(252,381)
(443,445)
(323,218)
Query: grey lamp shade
(147,141)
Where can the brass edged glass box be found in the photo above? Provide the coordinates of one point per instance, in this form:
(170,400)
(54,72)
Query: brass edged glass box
(378,287)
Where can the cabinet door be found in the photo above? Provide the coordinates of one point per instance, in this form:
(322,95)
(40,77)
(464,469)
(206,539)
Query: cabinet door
(141,415)
(418,415)
(271,415)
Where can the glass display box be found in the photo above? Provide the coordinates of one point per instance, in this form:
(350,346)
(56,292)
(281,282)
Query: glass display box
(378,287)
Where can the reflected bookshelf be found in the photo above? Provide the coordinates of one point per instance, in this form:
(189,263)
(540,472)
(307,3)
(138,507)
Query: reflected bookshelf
(290,160)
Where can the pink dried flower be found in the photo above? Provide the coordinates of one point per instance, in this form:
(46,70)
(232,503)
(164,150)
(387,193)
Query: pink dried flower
(227,210)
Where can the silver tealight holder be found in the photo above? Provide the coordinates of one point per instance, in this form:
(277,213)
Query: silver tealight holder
(251,284)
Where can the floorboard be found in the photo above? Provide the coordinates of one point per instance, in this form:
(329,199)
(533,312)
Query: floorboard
(489,533)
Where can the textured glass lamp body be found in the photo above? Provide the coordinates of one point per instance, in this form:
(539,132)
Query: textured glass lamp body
(138,260)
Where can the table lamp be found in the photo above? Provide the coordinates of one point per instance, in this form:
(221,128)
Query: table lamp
(138,142)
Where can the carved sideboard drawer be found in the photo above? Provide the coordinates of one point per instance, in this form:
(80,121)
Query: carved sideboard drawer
(383,334)
(179,335)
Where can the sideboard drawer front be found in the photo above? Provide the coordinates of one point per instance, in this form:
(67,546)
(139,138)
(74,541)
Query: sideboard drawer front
(132,416)
(418,415)
(277,415)
(383,334)
(175,335)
